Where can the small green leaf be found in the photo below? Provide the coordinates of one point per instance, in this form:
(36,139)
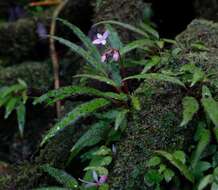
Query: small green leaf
(202,144)
(154,61)
(214,186)
(104,187)
(10,106)
(73,116)
(211,108)
(180,155)
(153,177)
(206,92)
(154,161)
(190,107)
(162,168)
(205,182)
(135,103)
(178,164)
(119,118)
(21,117)
(99,169)
(94,135)
(168,175)
(102,151)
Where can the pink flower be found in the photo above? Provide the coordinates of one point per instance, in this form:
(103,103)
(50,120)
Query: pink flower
(111,53)
(101,39)
(98,181)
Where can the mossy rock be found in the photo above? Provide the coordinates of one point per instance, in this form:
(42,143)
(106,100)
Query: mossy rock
(37,75)
(17,40)
(156,126)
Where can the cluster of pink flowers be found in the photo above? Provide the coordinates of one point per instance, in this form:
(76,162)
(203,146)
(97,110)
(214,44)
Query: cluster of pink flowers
(111,53)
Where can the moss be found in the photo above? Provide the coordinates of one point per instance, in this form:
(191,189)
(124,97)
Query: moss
(153,128)
(156,126)
(17,40)
(37,75)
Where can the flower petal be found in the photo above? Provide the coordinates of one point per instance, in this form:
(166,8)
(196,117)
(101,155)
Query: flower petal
(97,41)
(103,58)
(95,176)
(103,42)
(103,179)
(99,36)
(105,35)
(116,56)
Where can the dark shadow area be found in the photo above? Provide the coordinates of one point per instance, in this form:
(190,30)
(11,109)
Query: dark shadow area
(172,16)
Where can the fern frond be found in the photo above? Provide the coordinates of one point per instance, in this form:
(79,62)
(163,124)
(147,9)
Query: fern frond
(80,111)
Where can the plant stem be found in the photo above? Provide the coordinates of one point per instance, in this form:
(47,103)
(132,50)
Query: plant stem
(53,53)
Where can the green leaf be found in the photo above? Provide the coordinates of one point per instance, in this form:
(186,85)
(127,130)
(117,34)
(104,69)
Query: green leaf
(154,161)
(201,167)
(214,186)
(99,78)
(8,90)
(114,39)
(154,61)
(206,92)
(86,41)
(102,151)
(10,106)
(156,76)
(153,177)
(202,144)
(99,169)
(94,135)
(64,92)
(168,175)
(73,116)
(120,118)
(61,176)
(198,75)
(190,107)
(162,168)
(126,26)
(205,182)
(178,164)
(21,117)
(85,54)
(150,30)
(135,103)
(104,187)
(180,155)
(136,44)
(211,108)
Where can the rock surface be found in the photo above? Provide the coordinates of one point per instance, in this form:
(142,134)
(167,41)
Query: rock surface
(157,125)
